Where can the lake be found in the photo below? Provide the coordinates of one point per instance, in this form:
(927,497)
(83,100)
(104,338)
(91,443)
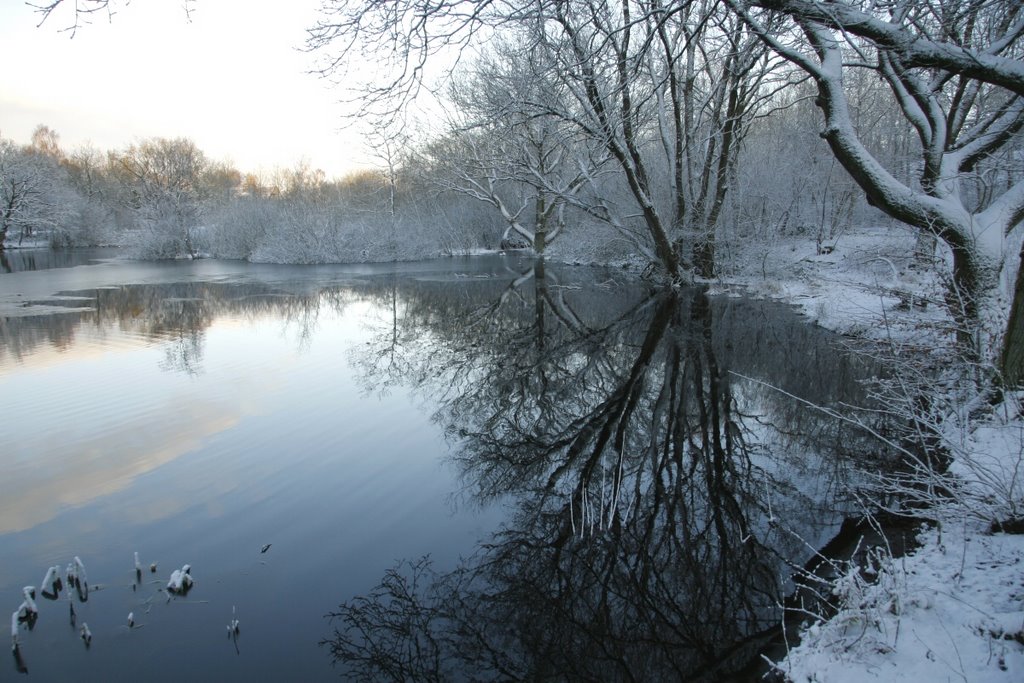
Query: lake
(483,467)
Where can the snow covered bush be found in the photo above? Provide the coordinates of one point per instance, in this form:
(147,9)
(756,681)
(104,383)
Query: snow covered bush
(952,610)
(161,237)
(239,228)
(959,444)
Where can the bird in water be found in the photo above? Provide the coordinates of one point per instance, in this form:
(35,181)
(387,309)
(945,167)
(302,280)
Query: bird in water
(265,548)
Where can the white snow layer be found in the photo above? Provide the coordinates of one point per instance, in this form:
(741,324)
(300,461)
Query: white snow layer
(953,610)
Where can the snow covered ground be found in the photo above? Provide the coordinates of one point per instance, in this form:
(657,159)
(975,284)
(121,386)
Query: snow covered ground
(953,610)
(868,285)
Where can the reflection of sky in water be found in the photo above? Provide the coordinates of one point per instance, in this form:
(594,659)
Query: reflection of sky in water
(90,423)
(111,448)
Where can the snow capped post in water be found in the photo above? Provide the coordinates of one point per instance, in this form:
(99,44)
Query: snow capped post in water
(30,604)
(14,630)
(80,572)
(181,580)
(51,585)
(76,577)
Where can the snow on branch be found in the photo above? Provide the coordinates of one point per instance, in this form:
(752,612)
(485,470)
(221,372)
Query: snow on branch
(916,49)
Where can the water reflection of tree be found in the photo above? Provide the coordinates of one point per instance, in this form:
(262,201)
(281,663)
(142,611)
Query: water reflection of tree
(657,503)
(175,316)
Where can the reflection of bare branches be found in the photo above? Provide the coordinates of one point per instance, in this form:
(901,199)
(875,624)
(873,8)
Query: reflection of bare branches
(184,353)
(644,541)
(175,315)
(304,314)
(405,647)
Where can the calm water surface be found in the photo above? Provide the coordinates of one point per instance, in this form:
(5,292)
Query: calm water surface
(573,467)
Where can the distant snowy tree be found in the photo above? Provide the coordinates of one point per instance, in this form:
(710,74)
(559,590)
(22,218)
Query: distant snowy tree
(510,152)
(163,179)
(46,141)
(34,194)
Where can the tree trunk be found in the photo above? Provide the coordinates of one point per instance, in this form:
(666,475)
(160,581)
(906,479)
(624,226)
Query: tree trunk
(5,220)
(973,303)
(1012,358)
(539,298)
(540,230)
(704,255)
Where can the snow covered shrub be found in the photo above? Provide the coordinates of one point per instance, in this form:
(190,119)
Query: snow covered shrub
(988,463)
(454,224)
(958,448)
(305,233)
(93,226)
(239,228)
(161,237)
(589,241)
(948,611)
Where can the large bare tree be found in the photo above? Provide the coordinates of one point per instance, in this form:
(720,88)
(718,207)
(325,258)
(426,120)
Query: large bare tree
(956,72)
(654,85)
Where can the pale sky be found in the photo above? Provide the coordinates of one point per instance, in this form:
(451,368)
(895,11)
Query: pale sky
(232,79)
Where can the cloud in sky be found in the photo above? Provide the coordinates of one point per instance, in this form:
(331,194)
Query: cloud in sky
(232,78)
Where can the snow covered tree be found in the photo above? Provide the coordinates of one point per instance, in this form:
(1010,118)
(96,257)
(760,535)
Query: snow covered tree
(46,141)
(654,86)
(711,78)
(163,179)
(956,72)
(34,194)
(519,159)
(595,51)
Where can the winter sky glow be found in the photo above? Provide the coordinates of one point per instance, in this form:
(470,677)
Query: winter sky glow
(231,78)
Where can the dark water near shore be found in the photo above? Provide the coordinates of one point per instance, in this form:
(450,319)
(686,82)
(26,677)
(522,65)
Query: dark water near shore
(21,260)
(604,480)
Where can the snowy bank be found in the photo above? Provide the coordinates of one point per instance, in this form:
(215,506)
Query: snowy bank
(951,611)
(954,608)
(868,284)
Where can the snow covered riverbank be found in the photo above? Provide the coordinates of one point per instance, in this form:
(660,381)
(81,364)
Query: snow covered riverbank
(953,610)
